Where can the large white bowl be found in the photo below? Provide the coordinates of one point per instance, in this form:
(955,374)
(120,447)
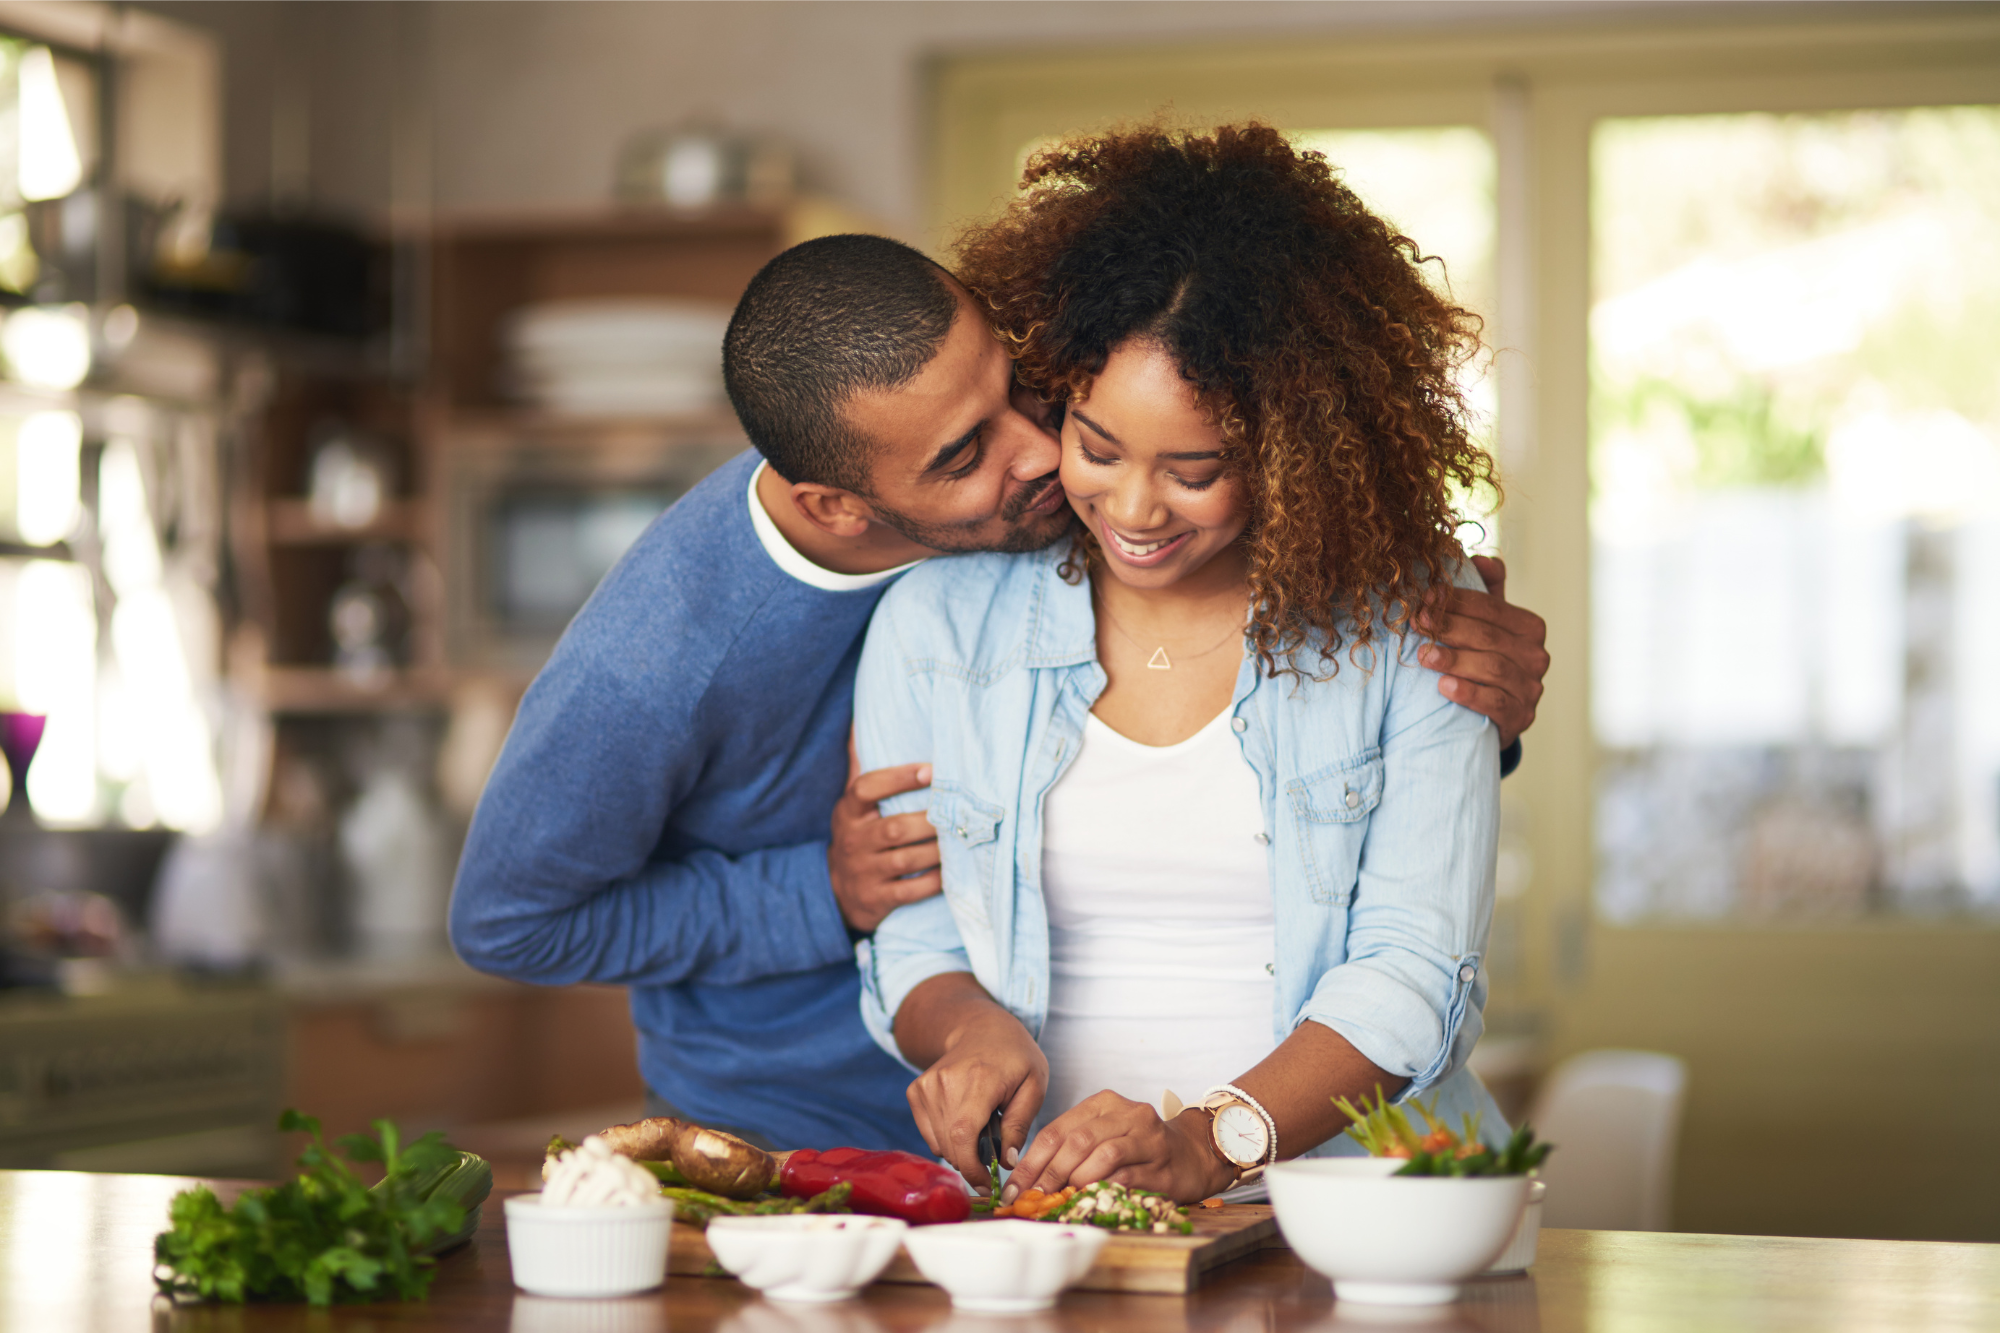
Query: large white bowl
(806,1258)
(1393,1240)
(1007,1266)
(593,1251)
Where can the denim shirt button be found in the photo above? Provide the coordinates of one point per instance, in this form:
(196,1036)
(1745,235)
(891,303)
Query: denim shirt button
(1353,798)
(960,830)
(1238,725)
(1263,840)
(1466,973)
(1271,969)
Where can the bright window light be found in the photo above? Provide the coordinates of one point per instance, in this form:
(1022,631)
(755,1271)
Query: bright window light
(19,265)
(1795,500)
(46,450)
(50,165)
(151,629)
(55,673)
(48,347)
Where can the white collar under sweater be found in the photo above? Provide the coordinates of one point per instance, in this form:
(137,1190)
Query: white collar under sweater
(787,557)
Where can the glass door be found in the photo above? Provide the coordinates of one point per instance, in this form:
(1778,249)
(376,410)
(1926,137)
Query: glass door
(1794,512)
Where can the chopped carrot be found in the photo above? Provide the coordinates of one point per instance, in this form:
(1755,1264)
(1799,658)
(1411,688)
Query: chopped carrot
(1056,1202)
(1035,1204)
(1026,1204)
(1213,1203)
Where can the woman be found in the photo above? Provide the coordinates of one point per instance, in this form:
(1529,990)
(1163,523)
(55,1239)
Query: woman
(1207,830)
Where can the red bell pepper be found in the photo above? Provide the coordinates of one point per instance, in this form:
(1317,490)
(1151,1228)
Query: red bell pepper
(888,1184)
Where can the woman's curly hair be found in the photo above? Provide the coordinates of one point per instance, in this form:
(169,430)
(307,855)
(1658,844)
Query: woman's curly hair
(1307,329)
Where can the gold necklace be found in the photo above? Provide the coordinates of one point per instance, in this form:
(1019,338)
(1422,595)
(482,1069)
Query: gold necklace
(1159,661)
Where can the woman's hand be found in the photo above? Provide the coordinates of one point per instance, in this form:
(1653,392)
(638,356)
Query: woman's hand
(980,1058)
(1107,1137)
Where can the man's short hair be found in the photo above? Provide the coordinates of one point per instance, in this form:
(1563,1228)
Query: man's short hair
(824,320)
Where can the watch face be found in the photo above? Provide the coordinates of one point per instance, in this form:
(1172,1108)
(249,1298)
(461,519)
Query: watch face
(1240,1134)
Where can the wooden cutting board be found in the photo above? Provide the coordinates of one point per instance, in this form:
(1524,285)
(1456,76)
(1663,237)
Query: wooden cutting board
(1128,1262)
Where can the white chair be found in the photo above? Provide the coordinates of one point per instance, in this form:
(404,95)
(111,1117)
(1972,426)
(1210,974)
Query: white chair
(1615,1118)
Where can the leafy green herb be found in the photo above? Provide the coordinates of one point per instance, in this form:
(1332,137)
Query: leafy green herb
(1437,1149)
(324,1237)
(1520,1155)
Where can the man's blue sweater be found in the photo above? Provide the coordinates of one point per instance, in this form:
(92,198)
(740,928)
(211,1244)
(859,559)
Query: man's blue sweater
(658,820)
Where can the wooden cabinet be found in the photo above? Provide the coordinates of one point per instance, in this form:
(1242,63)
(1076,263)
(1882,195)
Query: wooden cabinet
(456,1052)
(154,1077)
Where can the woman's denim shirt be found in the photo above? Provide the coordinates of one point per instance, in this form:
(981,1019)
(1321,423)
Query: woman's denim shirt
(1380,798)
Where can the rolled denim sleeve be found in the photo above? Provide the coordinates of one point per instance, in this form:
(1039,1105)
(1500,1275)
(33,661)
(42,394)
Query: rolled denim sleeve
(1409,993)
(892,712)
(915,943)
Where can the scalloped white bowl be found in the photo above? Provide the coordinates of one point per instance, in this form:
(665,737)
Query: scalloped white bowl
(1004,1267)
(806,1258)
(1391,1240)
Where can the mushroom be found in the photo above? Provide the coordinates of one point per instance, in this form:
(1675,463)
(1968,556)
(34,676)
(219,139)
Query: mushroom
(708,1158)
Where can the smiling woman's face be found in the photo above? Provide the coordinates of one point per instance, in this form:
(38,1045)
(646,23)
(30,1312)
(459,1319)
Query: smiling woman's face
(1143,467)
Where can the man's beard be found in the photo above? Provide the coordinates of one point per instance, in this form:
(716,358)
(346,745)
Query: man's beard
(1017,538)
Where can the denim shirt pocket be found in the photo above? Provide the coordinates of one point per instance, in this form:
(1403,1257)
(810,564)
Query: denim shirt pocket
(968,842)
(1330,810)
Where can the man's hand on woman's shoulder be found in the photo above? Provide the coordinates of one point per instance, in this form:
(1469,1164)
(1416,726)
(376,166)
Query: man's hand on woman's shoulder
(1490,652)
(879,862)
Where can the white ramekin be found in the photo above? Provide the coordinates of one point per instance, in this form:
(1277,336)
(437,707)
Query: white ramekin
(1520,1251)
(595,1251)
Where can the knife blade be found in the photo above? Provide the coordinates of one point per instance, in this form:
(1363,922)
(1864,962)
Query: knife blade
(989,1147)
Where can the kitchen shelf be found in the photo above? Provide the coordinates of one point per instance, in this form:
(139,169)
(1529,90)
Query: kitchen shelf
(483,270)
(291,522)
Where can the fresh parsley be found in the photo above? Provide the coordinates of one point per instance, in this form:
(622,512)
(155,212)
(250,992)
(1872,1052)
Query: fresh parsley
(323,1237)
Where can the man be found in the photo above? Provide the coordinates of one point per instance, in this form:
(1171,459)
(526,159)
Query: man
(658,818)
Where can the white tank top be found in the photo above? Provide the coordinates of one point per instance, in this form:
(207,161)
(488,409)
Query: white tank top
(1160,921)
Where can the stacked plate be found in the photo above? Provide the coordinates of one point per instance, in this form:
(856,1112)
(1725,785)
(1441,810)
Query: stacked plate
(617,356)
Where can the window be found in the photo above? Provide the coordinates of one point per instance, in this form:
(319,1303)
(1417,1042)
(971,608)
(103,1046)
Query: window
(1795,509)
(107,626)
(48,149)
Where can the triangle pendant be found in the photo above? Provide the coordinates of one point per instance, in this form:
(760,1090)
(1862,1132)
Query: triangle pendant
(1159,661)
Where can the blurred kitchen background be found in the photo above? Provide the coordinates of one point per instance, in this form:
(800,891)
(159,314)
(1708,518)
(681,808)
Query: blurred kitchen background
(346,345)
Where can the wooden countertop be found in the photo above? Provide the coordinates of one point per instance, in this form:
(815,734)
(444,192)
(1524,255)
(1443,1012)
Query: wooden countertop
(76,1254)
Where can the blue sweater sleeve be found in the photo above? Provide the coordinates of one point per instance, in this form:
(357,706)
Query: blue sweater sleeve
(559,882)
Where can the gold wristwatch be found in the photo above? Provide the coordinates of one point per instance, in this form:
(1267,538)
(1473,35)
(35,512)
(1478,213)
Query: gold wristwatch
(1242,1131)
